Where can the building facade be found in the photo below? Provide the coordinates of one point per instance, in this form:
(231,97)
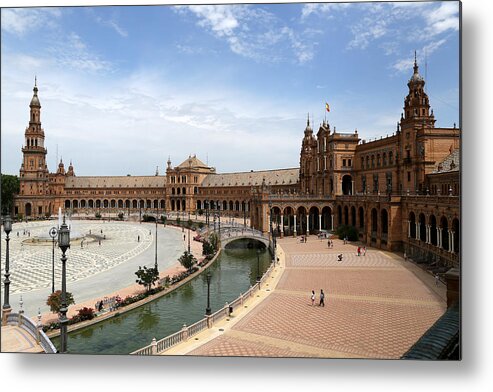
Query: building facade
(401,192)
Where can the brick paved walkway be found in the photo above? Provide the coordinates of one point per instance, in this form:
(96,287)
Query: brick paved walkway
(376,306)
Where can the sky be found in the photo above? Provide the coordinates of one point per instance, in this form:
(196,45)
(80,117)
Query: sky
(123,88)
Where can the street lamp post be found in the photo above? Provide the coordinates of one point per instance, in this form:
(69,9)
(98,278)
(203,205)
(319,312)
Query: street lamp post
(258,265)
(208,309)
(271,231)
(64,244)
(53,234)
(155,253)
(188,232)
(6,309)
(219,218)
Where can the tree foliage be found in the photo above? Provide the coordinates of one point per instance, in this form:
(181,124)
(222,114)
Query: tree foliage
(207,249)
(55,300)
(147,277)
(10,187)
(347,231)
(187,260)
(214,240)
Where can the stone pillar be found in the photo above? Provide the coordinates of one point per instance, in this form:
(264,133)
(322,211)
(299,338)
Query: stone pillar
(408,229)
(307,225)
(331,221)
(417,231)
(319,222)
(294,229)
(282,225)
(352,187)
(439,237)
(452,278)
(451,241)
(184,333)
(428,234)
(154,346)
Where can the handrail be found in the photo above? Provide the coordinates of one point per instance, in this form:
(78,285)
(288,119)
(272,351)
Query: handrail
(37,333)
(185,333)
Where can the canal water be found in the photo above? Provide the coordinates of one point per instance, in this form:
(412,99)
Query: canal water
(233,273)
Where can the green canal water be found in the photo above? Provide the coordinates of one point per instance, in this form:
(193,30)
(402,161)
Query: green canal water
(232,274)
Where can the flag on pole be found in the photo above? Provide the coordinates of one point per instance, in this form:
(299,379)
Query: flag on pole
(327,106)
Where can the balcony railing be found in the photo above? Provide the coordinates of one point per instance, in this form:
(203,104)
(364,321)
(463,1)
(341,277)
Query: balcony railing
(185,333)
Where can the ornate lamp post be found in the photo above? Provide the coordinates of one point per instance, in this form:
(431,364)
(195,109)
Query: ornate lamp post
(219,218)
(155,253)
(64,244)
(208,309)
(258,265)
(53,234)
(271,230)
(188,223)
(6,309)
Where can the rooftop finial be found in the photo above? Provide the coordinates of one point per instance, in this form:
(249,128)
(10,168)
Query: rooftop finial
(35,81)
(308,120)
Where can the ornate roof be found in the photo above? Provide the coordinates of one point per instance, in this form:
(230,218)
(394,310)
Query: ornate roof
(450,163)
(192,161)
(116,182)
(252,178)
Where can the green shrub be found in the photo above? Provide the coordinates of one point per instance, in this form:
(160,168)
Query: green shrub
(348,231)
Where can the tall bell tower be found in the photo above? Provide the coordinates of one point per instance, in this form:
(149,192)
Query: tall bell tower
(34,175)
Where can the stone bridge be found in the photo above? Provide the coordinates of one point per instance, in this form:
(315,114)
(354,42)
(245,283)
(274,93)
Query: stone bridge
(229,235)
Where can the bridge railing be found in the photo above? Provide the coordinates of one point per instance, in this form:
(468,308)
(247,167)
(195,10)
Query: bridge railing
(37,333)
(187,332)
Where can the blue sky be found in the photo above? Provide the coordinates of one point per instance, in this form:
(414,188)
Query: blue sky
(123,88)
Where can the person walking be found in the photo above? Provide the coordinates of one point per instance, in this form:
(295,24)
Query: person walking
(359,250)
(313,297)
(322,298)
(437,279)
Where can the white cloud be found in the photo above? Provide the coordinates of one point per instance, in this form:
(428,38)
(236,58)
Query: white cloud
(327,9)
(443,18)
(254,33)
(71,51)
(20,21)
(220,19)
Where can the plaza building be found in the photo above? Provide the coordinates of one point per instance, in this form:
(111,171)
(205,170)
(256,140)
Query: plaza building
(401,192)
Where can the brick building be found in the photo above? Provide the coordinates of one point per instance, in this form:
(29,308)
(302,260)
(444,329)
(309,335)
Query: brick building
(401,191)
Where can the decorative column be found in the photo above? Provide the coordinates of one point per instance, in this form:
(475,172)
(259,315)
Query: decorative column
(408,229)
(352,187)
(439,237)
(295,224)
(451,241)
(282,225)
(417,231)
(307,225)
(319,222)
(331,221)
(427,234)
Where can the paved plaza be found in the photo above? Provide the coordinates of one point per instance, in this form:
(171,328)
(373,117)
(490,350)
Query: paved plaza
(376,306)
(107,260)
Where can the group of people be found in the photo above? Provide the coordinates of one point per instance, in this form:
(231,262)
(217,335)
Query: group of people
(330,244)
(321,298)
(361,250)
(111,303)
(303,238)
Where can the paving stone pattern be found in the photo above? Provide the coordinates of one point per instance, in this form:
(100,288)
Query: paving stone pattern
(375,307)
(30,264)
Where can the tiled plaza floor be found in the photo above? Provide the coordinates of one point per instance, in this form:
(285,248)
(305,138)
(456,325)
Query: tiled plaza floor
(376,306)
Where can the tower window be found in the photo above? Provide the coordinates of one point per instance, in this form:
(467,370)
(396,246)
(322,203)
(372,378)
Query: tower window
(409,176)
